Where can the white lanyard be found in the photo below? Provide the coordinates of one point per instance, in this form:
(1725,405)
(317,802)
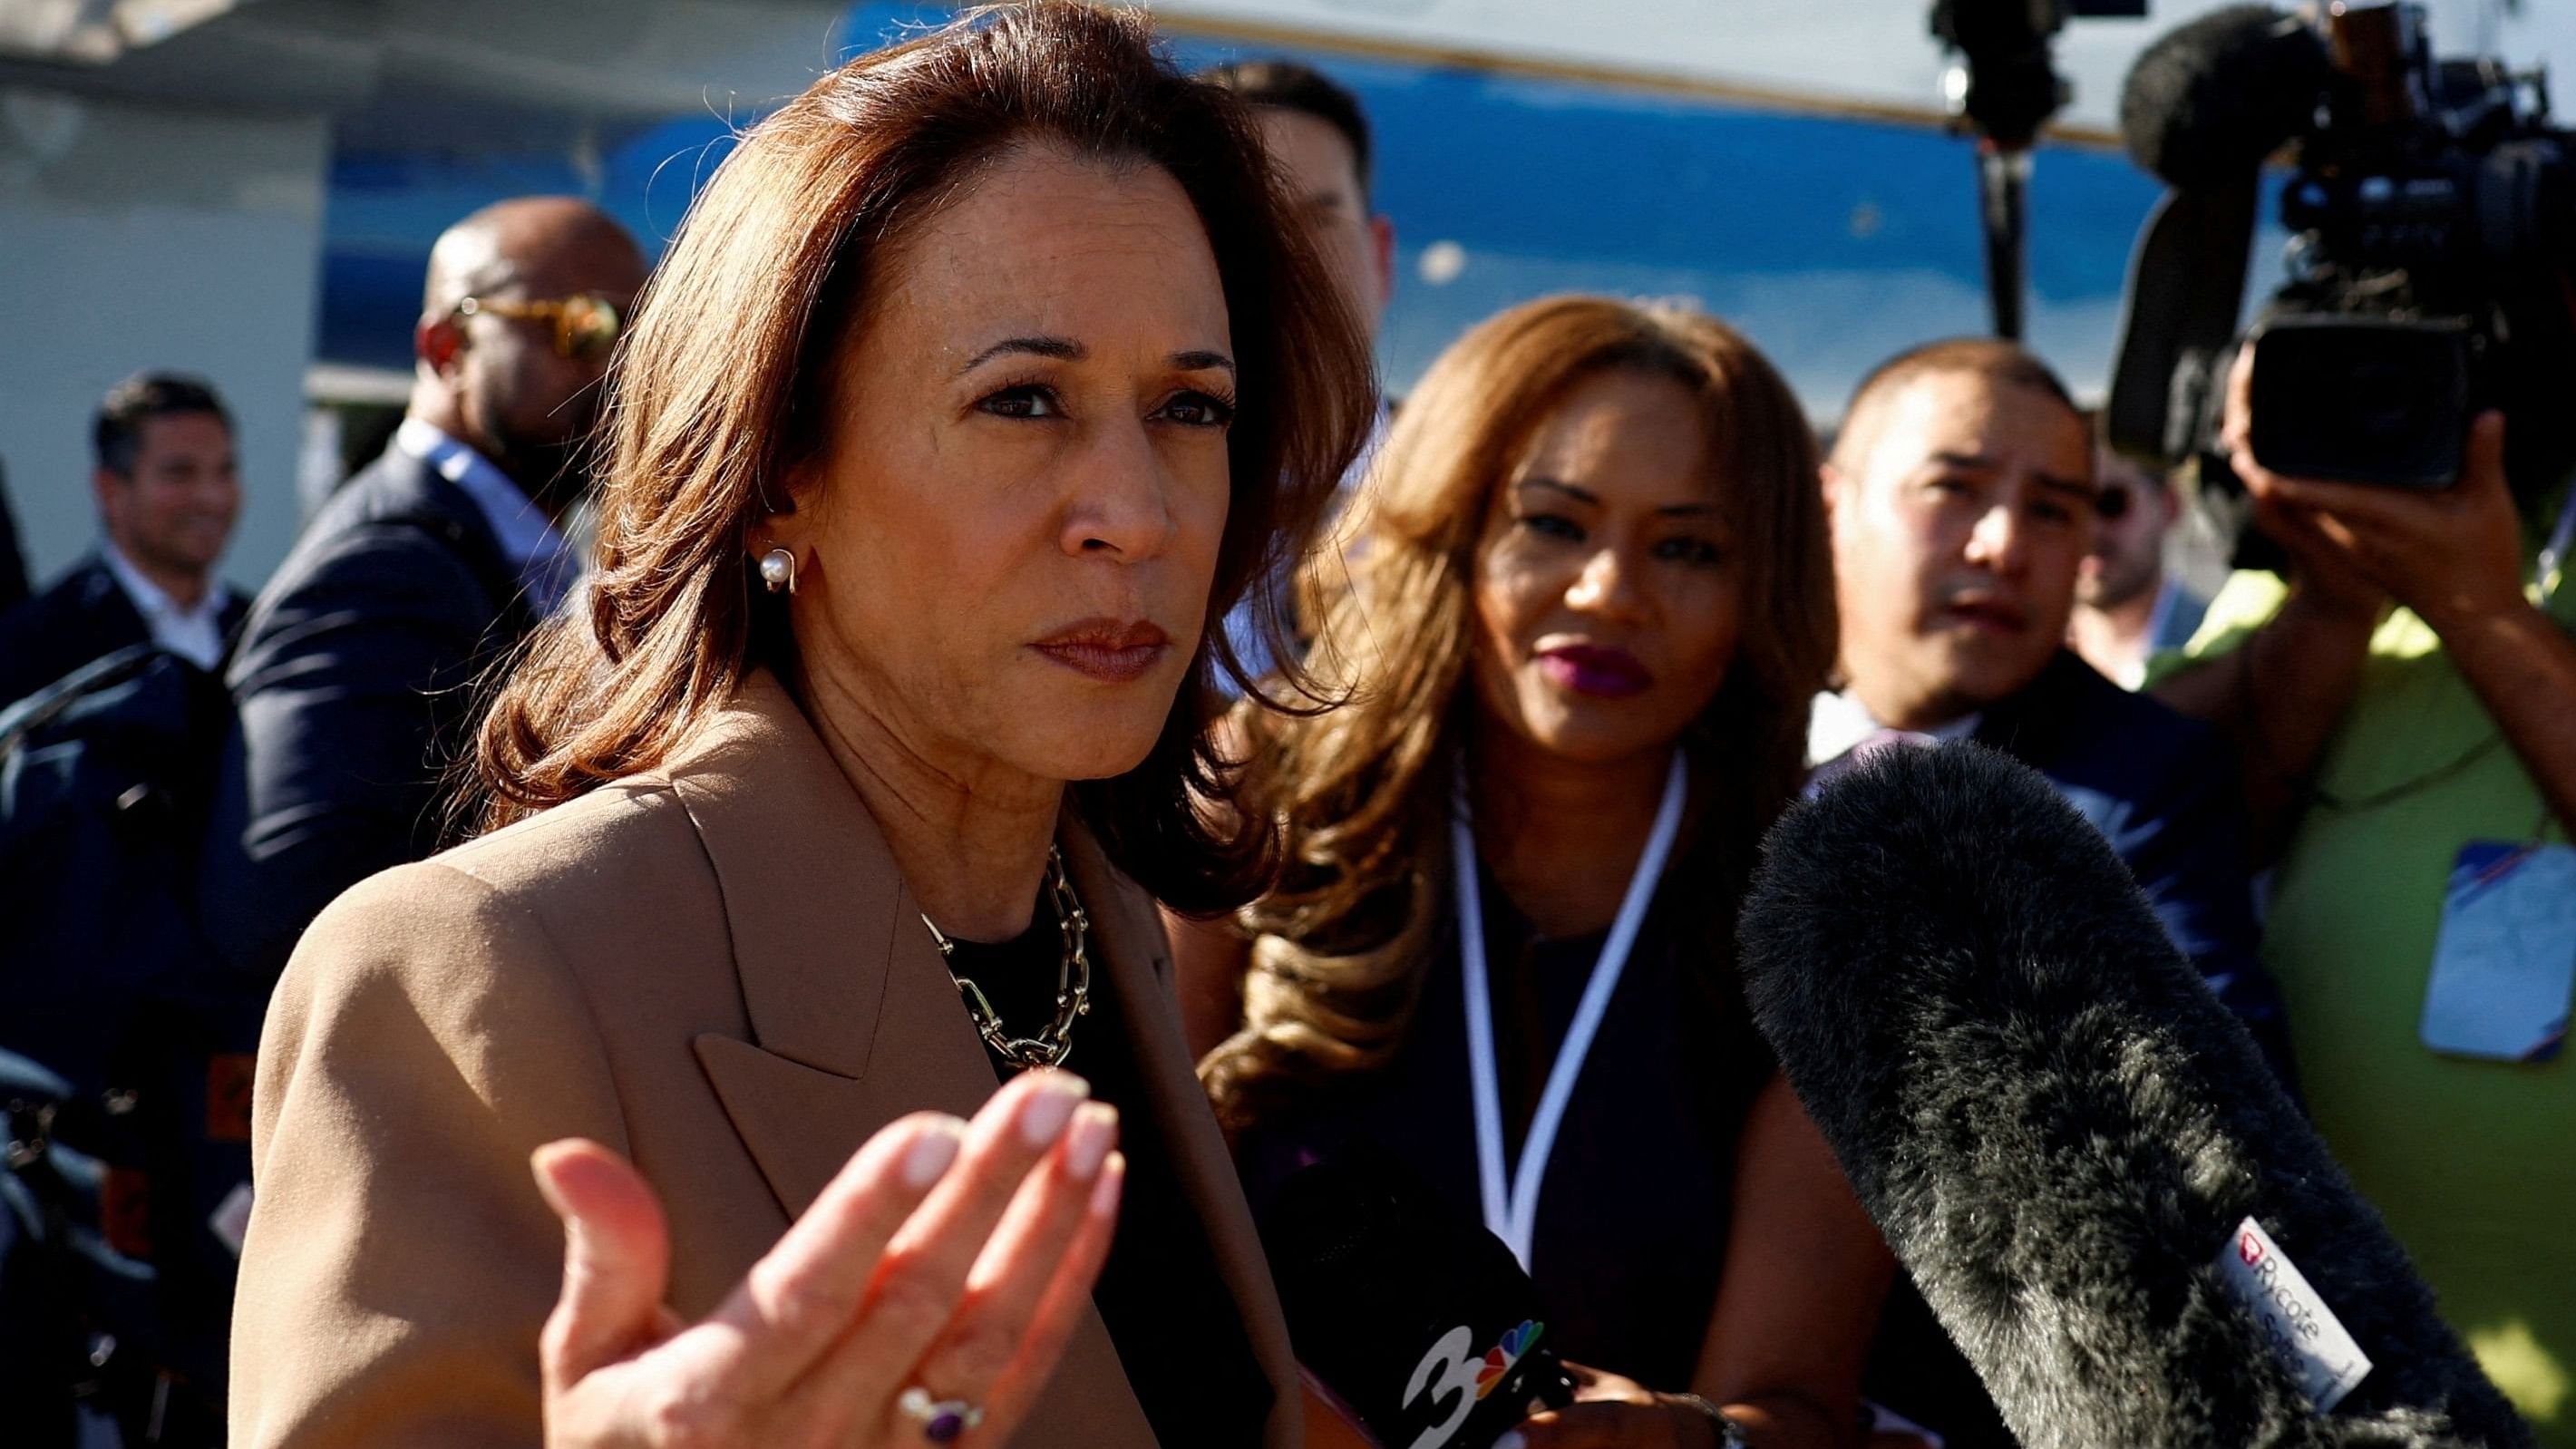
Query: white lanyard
(1512,1212)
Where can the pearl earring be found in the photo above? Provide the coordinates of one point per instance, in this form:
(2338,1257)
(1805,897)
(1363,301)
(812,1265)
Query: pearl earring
(778,571)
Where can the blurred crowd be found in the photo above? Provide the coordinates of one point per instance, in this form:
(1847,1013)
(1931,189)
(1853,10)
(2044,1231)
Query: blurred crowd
(1597,566)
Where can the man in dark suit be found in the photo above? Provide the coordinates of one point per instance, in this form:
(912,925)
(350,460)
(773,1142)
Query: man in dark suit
(356,674)
(168,493)
(1961,491)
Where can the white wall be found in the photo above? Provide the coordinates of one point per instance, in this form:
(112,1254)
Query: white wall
(1860,54)
(134,236)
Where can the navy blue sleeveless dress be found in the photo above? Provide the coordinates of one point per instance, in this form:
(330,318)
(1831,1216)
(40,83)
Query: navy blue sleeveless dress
(1633,1209)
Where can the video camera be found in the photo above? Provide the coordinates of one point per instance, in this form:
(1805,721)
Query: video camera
(2432,212)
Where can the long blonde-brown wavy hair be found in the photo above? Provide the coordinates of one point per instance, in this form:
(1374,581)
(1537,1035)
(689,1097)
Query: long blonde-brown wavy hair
(1362,792)
(720,391)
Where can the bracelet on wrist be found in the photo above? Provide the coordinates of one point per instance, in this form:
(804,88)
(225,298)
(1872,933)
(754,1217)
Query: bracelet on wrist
(1730,1434)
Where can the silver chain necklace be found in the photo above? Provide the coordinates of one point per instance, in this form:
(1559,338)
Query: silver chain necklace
(1051,1046)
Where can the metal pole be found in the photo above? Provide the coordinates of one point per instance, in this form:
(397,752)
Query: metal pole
(2003,197)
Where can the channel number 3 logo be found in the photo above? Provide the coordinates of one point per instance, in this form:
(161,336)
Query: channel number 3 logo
(1448,1372)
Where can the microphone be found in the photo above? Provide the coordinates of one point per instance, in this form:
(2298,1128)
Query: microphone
(2062,1135)
(2207,101)
(1417,1319)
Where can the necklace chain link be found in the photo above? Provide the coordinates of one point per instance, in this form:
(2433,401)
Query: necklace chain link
(1049,1047)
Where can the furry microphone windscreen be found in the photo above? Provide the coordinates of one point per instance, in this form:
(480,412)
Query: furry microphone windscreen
(2058,1129)
(2207,101)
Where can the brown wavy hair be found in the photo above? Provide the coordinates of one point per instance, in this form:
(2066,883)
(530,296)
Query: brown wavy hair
(719,392)
(1342,944)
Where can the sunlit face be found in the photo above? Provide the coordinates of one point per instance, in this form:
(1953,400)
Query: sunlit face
(2128,557)
(1608,593)
(1006,551)
(527,404)
(1957,530)
(1323,179)
(174,510)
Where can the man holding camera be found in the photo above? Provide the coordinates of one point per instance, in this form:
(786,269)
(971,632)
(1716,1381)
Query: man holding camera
(2405,710)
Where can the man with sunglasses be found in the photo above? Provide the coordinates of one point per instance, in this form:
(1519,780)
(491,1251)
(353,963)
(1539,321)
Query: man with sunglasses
(2129,607)
(353,676)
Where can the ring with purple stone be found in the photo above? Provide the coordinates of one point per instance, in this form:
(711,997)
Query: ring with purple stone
(942,1421)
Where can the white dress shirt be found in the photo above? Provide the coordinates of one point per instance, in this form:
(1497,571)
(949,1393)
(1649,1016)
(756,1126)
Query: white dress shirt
(1840,726)
(196,635)
(528,538)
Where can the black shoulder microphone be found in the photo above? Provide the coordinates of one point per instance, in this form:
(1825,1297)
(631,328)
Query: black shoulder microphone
(1418,1320)
(2206,102)
(2063,1136)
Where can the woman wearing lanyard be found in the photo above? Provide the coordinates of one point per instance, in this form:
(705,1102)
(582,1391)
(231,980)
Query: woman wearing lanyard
(1586,609)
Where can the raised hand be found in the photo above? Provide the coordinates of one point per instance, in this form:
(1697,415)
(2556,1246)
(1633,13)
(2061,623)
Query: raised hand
(924,1297)
(2453,555)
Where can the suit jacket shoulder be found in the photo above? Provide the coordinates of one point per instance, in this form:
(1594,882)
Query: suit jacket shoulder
(353,680)
(2078,728)
(82,616)
(397,540)
(2163,789)
(399,1261)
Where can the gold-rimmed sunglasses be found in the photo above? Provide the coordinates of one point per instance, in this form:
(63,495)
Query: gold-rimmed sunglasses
(586,325)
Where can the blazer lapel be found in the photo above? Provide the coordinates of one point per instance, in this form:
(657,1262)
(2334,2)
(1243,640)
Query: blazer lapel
(829,950)
(854,1020)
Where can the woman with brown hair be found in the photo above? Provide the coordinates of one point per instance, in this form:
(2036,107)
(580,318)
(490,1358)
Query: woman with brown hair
(983,377)
(1586,607)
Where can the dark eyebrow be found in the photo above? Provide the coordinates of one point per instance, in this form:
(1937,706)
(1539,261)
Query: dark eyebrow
(1585,495)
(1980,463)
(1063,349)
(1579,495)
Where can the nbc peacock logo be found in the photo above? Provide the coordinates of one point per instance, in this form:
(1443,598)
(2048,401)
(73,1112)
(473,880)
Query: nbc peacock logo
(1500,1358)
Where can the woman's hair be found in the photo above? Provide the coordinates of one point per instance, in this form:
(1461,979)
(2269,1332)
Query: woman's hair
(720,393)
(1341,944)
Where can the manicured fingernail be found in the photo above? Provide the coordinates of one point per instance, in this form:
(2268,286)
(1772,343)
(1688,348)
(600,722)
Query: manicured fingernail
(1094,1128)
(932,1153)
(1050,1107)
(1104,1193)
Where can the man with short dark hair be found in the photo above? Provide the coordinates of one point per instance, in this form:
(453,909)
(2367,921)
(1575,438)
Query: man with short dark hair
(1962,501)
(1318,140)
(168,493)
(1961,498)
(355,675)
(2128,605)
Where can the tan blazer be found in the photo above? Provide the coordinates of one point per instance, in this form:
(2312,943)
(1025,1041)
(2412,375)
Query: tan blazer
(715,969)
